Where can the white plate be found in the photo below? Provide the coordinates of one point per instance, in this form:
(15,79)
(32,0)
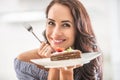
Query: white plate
(86,58)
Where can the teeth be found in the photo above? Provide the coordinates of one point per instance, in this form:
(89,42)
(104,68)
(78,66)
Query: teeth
(58,40)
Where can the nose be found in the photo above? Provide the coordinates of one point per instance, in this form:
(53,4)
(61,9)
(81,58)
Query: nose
(57,31)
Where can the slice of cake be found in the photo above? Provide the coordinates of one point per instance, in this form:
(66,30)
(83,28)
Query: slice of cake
(65,55)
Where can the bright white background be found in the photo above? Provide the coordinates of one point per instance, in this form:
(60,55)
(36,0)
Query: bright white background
(15,39)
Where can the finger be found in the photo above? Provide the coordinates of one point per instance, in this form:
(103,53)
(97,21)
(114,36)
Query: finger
(42,45)
(45,50)
(65,68)
(72,67)
(48,51)
(42,48)
(80,65)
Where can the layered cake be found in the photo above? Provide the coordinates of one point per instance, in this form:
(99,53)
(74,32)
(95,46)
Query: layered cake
(65,55)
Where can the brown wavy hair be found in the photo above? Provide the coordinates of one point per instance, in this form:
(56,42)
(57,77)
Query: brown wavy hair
(85,39)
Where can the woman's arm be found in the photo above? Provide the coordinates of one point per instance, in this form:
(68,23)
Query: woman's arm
(60,74)
(53,74)
(66,74)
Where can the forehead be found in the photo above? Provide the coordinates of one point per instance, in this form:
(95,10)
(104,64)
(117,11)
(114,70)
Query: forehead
(60,11)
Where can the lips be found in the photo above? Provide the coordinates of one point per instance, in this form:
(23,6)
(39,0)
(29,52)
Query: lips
(58,41)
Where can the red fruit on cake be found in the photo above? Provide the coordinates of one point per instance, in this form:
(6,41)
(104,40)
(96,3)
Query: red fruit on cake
(58,49)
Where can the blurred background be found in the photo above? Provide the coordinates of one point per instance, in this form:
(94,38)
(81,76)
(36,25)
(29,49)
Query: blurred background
(14,38)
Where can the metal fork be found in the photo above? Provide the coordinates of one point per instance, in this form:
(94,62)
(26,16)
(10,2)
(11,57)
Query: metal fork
(30,29)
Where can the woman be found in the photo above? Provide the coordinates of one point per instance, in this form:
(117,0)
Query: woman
(68,25)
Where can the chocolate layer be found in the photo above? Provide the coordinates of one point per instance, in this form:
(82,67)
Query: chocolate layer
(66,55)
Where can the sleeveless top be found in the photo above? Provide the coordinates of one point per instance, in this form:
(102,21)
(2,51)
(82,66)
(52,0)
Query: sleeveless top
(29,71)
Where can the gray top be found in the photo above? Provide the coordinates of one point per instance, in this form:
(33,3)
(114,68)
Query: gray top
(29,71)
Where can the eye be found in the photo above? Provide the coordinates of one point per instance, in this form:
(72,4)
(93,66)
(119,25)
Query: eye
(66,25)
(51,23)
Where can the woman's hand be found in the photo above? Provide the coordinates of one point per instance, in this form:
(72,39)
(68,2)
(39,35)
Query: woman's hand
(45,50)
(66,73)
(71,67)
(53,74)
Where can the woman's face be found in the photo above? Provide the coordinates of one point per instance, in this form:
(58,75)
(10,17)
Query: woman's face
(60,30)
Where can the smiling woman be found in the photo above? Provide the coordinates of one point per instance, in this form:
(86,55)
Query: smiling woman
(67,25)
(60,30)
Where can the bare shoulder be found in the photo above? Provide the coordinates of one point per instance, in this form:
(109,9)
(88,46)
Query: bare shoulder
(27,55)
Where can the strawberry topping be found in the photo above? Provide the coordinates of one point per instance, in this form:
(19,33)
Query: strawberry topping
(58,49)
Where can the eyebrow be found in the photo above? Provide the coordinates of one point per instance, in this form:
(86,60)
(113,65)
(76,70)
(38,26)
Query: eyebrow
(51,19)
(67,21)
(61,21)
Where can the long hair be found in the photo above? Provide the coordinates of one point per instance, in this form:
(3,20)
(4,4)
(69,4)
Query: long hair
(85,39)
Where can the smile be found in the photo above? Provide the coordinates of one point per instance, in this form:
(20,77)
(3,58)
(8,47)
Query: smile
(59,41)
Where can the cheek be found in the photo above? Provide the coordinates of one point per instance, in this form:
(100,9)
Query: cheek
(71,37)
(48,32)
(71,33)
